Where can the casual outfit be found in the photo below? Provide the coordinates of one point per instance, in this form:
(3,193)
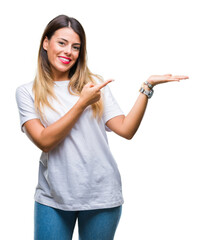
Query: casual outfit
(80,173)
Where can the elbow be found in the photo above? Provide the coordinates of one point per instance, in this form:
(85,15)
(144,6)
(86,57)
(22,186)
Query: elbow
(128,133)
(128,136)
(45,148)
(45,145)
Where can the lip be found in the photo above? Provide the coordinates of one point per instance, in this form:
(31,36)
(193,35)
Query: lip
(64,60)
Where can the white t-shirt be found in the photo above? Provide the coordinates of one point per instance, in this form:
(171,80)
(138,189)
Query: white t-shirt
(80,173)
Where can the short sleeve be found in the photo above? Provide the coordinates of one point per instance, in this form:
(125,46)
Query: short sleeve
(111,107)
(25,103)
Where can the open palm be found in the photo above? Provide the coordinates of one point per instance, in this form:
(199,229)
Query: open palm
(158,79)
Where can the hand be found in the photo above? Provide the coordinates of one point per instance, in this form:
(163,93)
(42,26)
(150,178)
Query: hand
(91,93)
(158,79)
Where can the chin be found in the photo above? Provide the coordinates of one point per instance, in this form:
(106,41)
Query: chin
(63,69)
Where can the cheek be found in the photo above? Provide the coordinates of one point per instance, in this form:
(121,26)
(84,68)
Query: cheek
(53,50)
(52,53)
(76,56)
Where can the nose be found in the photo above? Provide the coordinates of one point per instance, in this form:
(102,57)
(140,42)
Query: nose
(68,50)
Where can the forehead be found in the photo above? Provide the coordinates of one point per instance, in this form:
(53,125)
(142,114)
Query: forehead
(67,34)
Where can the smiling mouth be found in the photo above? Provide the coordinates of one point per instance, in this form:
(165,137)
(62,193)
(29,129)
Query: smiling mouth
(65,60)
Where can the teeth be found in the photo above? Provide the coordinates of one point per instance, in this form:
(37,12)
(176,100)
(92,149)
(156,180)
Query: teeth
(67,60)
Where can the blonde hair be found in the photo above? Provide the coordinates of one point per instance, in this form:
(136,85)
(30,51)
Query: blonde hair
(79,74)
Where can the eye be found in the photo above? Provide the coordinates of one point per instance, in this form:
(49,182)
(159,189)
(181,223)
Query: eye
(76,48)
(61,43)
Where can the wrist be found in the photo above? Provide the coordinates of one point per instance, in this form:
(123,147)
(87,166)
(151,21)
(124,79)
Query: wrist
(147,89)
(151,83)
(81,104)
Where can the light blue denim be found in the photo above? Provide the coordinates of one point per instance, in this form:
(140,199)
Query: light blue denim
(55,224)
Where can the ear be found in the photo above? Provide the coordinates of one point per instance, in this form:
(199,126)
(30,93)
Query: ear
(45,43)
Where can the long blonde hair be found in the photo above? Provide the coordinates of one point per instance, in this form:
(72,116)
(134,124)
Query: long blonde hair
(79,74)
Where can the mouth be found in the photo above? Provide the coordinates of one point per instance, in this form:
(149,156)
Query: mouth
(64,60)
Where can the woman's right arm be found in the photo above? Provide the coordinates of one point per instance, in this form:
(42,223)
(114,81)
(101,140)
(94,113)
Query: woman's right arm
(48,138)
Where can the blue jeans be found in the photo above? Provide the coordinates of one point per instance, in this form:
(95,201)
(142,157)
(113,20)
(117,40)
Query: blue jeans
(55,224)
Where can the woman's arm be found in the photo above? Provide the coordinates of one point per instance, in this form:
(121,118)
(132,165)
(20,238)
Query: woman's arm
(48,138)
(126,126)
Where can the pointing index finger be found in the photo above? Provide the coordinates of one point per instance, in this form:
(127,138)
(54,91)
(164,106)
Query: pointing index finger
(100,86)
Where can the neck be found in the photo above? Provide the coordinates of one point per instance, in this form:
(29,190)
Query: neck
(60,76)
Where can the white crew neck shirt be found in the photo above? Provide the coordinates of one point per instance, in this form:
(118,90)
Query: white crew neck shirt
(80,173)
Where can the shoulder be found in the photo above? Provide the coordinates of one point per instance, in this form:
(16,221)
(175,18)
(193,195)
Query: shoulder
(25,92)
(27,87)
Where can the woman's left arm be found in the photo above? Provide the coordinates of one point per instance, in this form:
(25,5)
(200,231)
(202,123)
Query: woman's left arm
(126,126)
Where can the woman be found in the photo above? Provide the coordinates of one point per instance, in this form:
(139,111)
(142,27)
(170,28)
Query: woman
(66,112)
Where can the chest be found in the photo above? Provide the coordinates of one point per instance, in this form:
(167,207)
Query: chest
(62,105)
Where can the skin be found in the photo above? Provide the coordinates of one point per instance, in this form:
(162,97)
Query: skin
(64,43)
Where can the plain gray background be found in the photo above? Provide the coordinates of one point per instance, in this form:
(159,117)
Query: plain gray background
(162,166)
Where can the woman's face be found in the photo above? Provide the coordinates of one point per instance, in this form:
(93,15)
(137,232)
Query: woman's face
(63,51)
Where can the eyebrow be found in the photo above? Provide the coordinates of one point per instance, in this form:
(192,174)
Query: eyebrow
(67,41)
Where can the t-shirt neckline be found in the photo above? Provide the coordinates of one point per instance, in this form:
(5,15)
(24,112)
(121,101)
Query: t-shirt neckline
(61,83)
